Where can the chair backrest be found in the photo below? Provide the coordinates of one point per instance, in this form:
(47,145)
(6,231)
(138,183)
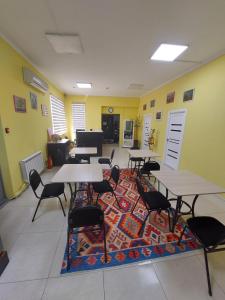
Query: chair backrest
(35,180)
(112,154)
(89,215)
(73,160)
(140,188)
(115,174)
(151,166)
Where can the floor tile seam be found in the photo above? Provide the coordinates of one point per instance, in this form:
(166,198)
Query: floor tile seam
(160,282)
(44,231)
(53,256)
(103,282)
(26,280)
(44,289)
(41,232)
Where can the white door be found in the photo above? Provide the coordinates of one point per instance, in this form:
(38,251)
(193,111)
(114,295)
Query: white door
(146,132)
(175,132)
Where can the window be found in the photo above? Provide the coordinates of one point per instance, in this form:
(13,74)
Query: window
(58,115)
(78,115)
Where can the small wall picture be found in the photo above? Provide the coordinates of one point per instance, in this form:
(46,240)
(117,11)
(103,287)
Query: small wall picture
(188,95)
(19,104)
(170,97)
(44,110)
(152,103)
(144,106)
(33,100)
(158,115)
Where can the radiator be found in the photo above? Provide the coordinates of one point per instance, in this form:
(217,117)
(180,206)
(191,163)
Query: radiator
(34,161)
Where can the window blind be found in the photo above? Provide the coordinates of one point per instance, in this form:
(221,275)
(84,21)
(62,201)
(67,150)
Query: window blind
(78,116)
(58,115)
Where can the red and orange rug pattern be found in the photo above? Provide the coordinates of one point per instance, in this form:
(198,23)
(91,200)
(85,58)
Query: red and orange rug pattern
(124,244)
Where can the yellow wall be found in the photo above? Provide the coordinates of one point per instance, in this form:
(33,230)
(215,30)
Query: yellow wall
(203,150)
(28,131)
(96,105)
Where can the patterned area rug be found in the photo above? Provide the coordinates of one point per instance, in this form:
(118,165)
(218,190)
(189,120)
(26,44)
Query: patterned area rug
(124,245)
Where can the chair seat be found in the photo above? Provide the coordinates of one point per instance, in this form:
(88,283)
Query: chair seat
(102,187)
(137,159)
(104,161)
(208,230)
(52,190)
(156,200)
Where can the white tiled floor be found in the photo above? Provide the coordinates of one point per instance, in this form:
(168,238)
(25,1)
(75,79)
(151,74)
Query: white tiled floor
(36,251)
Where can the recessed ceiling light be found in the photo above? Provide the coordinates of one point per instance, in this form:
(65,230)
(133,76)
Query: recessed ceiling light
(168,52)
(82,85)
(65,43)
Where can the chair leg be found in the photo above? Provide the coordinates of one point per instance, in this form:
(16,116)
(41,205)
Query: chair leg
(207,273)
(39,202)
(116,199)
(140,230)
(170,227)
(68,250)
(105,250)
(62,206)
(65,197)
(135,205)
(182,233)
(97,198)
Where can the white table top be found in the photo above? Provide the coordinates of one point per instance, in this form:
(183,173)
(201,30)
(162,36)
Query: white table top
(184,183)
(79,173)
(82,150)
(142,153)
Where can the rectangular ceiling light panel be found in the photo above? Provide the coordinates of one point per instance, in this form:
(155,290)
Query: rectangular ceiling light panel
(82,85)
(65,43)
(168,52)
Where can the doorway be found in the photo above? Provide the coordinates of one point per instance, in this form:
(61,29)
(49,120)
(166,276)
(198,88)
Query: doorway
(2,193)
(111,128)
(174,138)
(146,132)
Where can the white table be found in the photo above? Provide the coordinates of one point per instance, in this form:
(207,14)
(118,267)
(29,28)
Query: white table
(142,153)
(185,183)
(78,173)
(83,150)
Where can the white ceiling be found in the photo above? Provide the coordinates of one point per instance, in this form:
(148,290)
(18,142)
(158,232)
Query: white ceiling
(118,37)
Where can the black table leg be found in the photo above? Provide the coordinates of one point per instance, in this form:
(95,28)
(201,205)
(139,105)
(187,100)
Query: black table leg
(89,194)
(177,211)
(193,205)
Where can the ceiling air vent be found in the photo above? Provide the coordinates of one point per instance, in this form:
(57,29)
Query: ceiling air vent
(32,79)
(136,86)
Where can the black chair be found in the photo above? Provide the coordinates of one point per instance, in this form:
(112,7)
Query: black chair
(138,162)
(107,161)
(210,233)
(105,186)
(148,167)
(50,190)
(87,216)
(153,201)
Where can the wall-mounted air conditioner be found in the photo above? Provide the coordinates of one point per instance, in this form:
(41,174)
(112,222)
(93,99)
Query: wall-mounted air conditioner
(32,79)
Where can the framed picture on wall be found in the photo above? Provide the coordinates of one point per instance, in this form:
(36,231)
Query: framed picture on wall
(19,104)
(44,110)
(158,115)
(170,97)
(144,106)
(188,95)
(152,103)
(33,100)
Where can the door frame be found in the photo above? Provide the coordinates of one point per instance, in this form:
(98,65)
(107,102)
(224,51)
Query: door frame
(183,110)
(142,138)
